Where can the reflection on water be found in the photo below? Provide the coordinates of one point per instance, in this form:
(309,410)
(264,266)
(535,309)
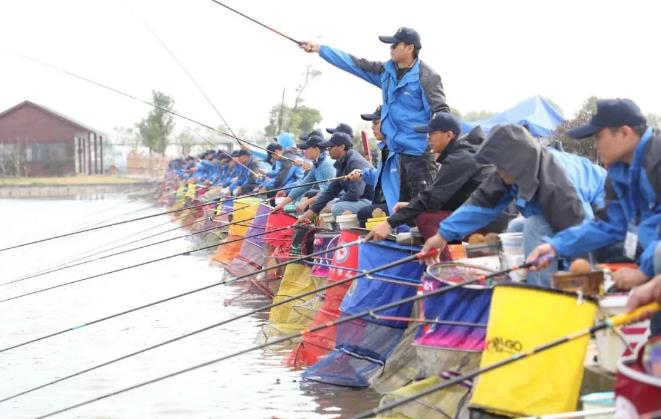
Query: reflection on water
(254,385)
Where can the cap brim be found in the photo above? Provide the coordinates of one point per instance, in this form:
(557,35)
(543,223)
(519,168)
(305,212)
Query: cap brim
(423,129)
(302,146)
(330,130)
(369,116)
(585,131)
(326,144)
(388,39)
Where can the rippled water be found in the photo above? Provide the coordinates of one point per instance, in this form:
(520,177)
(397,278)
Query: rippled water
(254,385)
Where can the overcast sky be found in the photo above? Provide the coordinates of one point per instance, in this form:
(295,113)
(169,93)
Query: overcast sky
(490,54)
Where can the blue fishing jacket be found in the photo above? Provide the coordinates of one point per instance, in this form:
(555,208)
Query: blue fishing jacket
(632,199)
(408,102)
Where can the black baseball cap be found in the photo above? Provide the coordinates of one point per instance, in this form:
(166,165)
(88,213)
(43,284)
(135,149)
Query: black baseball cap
(372,116)
(341,127)
(406,35)
(338,138)
(242,152)
(610,113)
(443,121)
(304,137)
(312,141)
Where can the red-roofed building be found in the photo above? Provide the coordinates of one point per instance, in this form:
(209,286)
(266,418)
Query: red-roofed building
(42,142)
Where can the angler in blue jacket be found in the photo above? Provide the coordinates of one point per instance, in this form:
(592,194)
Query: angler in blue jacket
(322,169)
(632,153)
(412,93)
(348,195)
(553,190)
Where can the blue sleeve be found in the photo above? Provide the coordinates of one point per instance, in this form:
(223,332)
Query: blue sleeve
(469,218)
(370,71)
(326,171)
(260,154)
(370,176)
(592,234)
(648,235)
(296,193)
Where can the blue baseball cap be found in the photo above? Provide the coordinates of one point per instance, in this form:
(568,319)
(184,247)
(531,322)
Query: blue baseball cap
(406,35)
(338,138)
(610,113)
(341,127)
(376,115)
(443,121)
(304,137)
(312,141)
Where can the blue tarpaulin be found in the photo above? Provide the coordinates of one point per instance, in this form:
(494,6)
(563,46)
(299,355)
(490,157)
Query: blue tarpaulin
(536,113)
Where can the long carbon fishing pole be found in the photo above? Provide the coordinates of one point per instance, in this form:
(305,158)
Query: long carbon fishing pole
(87,253)
(211,202)
(290,337)
(103,248)
(611,322)
(257,22)
(198,331)
(153,303)
(137,99)
(87,260)
(125,268)
(182,66)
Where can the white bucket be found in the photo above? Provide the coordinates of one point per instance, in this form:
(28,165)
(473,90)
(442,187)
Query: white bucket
(609,345)
(326,220)
(512,243)
(347,221)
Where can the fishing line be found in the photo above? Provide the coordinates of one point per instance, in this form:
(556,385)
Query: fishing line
(135,98)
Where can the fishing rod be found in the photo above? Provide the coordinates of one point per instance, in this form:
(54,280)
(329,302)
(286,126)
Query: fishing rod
(614,321)
(199,88)
(137,99)
(103,248)
(186,253)
(257,22)
(195,332)
(213,201)
(193,291)
(418,256)
(72,265)
(182,66)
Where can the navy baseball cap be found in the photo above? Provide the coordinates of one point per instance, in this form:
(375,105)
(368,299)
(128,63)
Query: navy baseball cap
(341,127)
(372,116)
(338,138)
(406,35)
(312,141)
(443,121)
(610,113)
(242,152)
(317,132)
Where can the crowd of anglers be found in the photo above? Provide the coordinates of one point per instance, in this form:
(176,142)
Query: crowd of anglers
(435,330)
(441,185)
